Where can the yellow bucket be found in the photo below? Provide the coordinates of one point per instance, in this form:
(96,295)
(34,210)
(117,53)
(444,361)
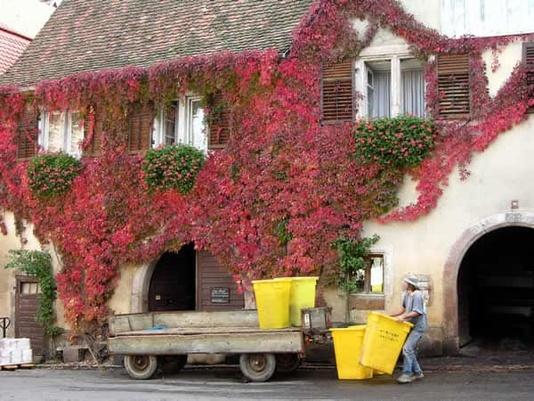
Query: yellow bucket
(302,296)
(383,341)
(272,302)
(347,347)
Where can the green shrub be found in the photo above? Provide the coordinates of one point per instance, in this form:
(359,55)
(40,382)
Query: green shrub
(400,142)
(52,174)
(173,167)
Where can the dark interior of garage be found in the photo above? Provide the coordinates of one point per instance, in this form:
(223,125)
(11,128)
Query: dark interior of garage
(496,288)
(173,282)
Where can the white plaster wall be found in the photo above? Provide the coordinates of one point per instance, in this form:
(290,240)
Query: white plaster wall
(501,174)
(508,59)
(425,11)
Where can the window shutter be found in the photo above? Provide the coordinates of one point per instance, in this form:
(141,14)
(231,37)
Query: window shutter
(453,85)
(93,148)
(140,123)
(528,56)
(221,123)
(337,100)
(27,133)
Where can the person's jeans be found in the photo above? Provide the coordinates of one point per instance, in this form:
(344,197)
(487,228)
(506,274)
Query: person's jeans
(410,365)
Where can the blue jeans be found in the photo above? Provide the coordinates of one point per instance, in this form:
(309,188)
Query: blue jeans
(410,365)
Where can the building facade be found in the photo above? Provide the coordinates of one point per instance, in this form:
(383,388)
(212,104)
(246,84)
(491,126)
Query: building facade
(471,250)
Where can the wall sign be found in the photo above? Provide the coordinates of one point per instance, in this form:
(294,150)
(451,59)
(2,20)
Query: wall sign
(220,295)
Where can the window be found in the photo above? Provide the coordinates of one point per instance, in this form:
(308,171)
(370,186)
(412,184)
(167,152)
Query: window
(170,117)
(390,86)
(181,121)
(378,89)
(412,88)
(62,132)
(486,17)
(30,288)
(195,128)
(371,279)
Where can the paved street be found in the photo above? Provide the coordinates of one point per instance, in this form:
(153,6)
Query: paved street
(226,384)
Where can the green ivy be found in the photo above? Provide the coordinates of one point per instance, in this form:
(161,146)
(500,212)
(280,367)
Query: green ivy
(352,255)
(282,233)
(52,174)
(39,264)
(173,167)
(400,142)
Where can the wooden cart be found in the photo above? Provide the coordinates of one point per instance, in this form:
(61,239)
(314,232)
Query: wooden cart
(149,339)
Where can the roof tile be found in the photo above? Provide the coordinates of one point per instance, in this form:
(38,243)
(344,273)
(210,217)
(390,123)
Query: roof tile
(88,35)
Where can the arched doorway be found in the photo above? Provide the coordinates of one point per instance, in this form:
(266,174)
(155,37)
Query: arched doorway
(495,288)
(173,281)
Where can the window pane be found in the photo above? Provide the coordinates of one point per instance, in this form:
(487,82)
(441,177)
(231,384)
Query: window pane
(379,89)
(56,129)
(76,132)
(196,126)
(169,126)
(413,92)
(377,274)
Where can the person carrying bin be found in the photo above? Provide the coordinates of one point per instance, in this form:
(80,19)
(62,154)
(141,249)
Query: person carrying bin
(413,311)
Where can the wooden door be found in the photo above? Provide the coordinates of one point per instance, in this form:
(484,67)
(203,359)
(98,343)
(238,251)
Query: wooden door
(27,304)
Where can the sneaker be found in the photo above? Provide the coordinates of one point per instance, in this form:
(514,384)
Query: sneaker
(405,378)
(418,376)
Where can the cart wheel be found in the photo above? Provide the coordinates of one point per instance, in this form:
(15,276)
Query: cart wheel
(140,367)
(257,367)
(172,363)
(287,363)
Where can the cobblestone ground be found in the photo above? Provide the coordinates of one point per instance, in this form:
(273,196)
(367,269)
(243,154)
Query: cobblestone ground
(443,381)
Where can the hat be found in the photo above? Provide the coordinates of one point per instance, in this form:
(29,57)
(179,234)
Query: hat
(412,279)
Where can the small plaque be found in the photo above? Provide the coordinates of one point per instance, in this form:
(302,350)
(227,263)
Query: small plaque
(220,295)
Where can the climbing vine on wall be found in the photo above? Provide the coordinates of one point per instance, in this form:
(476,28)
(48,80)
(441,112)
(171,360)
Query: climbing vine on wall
(283,190)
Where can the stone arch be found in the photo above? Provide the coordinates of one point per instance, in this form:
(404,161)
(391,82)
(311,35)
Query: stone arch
(140,286)
(454,261)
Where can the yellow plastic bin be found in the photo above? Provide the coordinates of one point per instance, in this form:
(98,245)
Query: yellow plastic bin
(272,302)
(383,341)
(302,296)
(347,347)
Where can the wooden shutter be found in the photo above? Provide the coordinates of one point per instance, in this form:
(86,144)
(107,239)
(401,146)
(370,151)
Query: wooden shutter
(528,57)
(337,97)
(27,133)
(221,123)
(94,147)
(140,125)
(453,85)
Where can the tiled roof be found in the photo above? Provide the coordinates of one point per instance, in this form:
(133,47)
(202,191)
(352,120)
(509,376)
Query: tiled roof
(88,35)
(11,47)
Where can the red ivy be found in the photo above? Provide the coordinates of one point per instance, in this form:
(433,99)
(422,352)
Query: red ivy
(281,166)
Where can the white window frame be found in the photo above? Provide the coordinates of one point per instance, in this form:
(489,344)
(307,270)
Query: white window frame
(183,128)
(394,54)
(44,132)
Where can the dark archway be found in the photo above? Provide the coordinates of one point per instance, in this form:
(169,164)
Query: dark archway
(496,287)
(173,282)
